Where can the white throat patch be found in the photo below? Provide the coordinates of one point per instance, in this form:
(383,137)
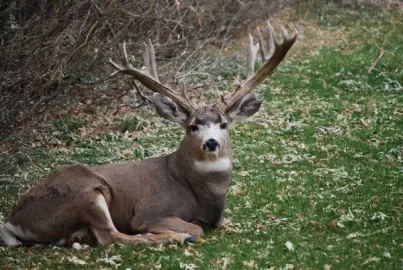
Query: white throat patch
(218,165)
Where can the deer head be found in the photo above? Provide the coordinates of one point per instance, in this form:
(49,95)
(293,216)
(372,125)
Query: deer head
(208,125)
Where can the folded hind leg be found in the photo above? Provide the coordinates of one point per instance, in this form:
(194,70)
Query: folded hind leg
(100,222)
(170,224)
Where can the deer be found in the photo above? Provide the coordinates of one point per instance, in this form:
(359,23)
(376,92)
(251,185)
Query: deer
(173,197)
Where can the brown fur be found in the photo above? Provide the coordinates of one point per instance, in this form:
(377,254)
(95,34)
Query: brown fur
(165,196)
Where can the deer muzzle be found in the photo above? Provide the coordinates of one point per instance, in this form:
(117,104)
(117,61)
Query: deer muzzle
(211,145)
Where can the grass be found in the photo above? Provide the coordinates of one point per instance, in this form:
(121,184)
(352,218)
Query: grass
(318,174)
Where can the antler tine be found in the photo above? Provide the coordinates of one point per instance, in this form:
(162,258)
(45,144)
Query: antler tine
(272,41)
(125,61)
(146,59)
(150,65)
(124,56)
(252,51)
(149,78)
(261,45)
(153,64)
(277,52)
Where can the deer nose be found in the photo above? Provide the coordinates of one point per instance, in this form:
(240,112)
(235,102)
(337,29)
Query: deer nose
(211,145)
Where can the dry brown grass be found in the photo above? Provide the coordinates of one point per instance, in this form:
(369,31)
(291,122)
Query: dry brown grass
(53,55)
(49,48)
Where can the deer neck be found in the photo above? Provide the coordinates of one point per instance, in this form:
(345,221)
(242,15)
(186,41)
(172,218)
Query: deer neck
(204,174)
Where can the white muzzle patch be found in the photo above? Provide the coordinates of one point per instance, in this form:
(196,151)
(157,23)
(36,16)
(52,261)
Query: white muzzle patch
(209,133)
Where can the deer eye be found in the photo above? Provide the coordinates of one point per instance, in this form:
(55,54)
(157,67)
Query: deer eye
(193,128)
(224,126)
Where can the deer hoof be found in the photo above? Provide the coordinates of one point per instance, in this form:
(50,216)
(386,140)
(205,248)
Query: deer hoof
(190,239)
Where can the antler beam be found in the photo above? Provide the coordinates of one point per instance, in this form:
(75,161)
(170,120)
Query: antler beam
(148,76)
(271,59)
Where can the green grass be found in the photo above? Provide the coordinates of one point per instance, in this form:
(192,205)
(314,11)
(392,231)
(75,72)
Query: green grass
(320,167)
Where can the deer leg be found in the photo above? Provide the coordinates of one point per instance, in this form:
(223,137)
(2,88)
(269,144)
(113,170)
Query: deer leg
(169,225)
(100,223)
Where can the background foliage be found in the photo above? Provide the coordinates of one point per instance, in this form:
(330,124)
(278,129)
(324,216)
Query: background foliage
(48,47)
(54,53)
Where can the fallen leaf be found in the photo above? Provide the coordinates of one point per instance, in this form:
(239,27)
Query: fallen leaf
(261,227)
(380,216)
(288,266)
(113,260)
(333,224)
(371,259)
(186,266)
(76,260)
(250,264)
(226,261)
(187,253)
(289,246)
(78,246)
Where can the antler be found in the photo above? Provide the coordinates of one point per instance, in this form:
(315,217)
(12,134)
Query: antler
(149,78)
(274,56)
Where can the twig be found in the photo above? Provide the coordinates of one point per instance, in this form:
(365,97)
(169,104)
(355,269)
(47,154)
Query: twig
(190,56)
(179,23)
(118,96)
(86,39)
(143,15)
(200,86)
(97,81)
(84,22)
(143,98)
(194,73)
(381,52)
(229,28)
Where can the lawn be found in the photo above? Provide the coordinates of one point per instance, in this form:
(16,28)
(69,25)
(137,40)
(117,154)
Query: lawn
(318,173)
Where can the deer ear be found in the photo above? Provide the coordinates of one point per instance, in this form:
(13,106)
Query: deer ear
(244,108)
(168,109)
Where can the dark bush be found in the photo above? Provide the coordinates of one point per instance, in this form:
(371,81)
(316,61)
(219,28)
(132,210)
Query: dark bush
(47,47)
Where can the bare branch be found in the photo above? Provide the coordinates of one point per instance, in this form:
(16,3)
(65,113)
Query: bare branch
(242,6)
(381,52)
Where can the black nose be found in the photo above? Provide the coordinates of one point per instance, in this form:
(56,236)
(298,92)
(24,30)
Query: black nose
(211,145)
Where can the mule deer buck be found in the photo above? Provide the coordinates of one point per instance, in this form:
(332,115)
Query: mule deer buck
(156,200)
